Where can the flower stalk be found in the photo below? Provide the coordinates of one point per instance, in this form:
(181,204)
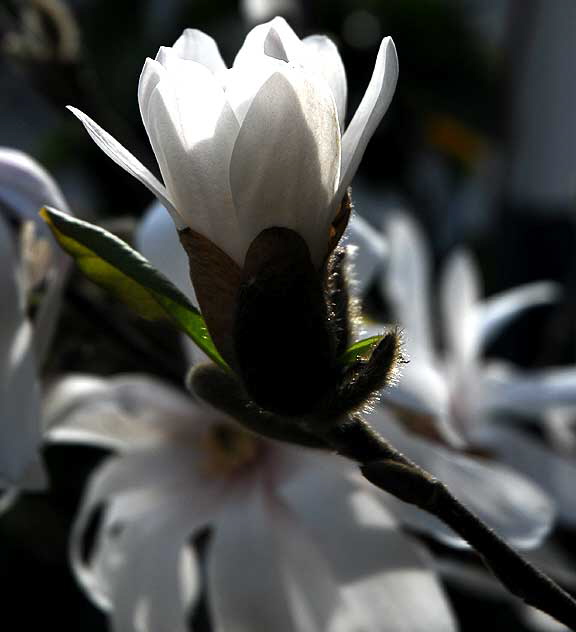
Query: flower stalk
(388,469)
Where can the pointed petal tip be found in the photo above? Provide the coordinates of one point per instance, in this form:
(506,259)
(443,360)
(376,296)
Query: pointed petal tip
(273,46)
(391,55)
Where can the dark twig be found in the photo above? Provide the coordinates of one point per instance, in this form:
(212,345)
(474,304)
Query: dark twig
(391,471)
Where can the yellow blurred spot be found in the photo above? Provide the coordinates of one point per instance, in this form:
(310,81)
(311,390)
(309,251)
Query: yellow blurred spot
(228,448)
(455,139)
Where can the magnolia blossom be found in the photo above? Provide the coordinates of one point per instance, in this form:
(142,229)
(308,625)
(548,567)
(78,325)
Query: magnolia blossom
(518,510)
(455,397)
(261,144)
(256,173)
(296,542)
(24,188)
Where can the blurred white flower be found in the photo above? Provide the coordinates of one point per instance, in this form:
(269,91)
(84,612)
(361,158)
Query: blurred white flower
(457,398)
(550,460)
(297,542)
(24,188)
(258,145)
(257,11)
(20,432)
(455,389)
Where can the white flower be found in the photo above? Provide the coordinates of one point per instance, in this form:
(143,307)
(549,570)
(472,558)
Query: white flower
(456,397)
(296,542)
(258,145)
(24,188)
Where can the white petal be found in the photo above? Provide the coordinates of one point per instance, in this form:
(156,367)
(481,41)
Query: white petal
(369,113)
(515,508)
(529,392)
(193,138)
(368,249)
(197,46)
(460,293)
(243,84)
(322,56)
(388,583)
(25,186)
(122,157)
(422,396)
(46,318)
(540,621)
(158,579)
(286,160)
(259,548)
(421,388)
(114,413)
(558,427)
(497,311)
(144,486)
(141,567)
(20,429)
(157,239)
(406,283)
(152,73)
(554,473)
(253,47)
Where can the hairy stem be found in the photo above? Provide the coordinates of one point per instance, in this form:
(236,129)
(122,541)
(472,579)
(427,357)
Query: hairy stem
(391,471)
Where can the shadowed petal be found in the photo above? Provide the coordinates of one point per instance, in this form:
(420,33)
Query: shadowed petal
(369,113)
(259,548)
(25,186)
(515,508)
(554,473)
(114,413)
(322,56)
(20,431)
(254,44)
(386,578)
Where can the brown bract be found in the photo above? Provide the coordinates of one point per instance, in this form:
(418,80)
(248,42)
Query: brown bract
(216,279)
(282,324)
(340,222)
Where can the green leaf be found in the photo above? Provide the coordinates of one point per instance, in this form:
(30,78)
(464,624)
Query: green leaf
(360,350)
(112,264)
